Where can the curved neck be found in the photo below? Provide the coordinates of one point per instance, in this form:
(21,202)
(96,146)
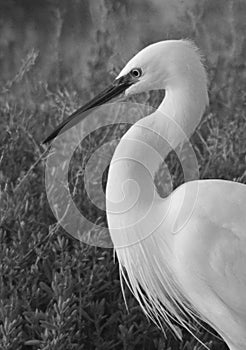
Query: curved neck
(131,194)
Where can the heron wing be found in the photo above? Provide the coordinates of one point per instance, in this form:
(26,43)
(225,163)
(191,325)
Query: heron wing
(210,252)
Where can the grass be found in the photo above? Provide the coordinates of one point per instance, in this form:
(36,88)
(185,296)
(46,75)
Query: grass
(55,292)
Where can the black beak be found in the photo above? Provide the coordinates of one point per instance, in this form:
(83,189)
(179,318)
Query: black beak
(118,86)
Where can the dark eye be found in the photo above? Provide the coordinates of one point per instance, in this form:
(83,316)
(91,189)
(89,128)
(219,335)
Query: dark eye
(136,72)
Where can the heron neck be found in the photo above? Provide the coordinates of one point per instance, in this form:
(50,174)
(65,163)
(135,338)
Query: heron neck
(184,104)
(131,196)
(149,141)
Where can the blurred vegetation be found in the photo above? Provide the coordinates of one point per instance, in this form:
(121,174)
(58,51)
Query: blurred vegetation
(55,292)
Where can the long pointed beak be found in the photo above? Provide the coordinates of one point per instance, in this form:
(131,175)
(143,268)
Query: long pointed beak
(118,86)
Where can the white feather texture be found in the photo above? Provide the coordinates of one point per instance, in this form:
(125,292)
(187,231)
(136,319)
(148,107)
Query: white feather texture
(197,270)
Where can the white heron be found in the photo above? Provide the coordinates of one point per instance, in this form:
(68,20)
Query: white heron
(198,270)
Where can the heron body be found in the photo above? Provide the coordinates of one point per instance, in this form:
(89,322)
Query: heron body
(184,254)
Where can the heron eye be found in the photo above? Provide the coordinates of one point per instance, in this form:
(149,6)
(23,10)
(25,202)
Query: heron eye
(136,72)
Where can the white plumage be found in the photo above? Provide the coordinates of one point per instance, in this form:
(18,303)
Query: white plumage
(200,269)
(184,255)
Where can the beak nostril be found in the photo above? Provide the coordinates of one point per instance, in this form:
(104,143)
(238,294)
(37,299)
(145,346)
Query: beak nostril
(119,81)
(126,80)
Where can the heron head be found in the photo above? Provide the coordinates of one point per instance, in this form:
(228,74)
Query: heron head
(163,65)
